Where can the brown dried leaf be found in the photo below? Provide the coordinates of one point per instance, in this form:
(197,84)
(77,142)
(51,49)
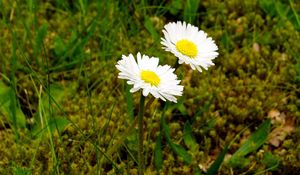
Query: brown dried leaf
(256,47)
(279,134)
(205,166)
(276,117)
(211,159)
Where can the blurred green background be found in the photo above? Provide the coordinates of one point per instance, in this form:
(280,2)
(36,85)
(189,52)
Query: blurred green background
(63,110)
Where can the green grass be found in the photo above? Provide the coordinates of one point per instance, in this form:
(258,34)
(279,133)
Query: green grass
(64,111)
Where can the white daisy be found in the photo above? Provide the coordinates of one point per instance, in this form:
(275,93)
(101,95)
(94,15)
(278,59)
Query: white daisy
(189,44)
(146,74)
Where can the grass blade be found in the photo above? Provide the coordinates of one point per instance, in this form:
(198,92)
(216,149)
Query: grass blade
(158,155)
(213,169)
(190,10)
(256,140)
(39,41)
(178,149)
(188,137)
(151,29)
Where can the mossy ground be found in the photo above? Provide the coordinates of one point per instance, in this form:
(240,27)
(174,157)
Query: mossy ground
(68,50)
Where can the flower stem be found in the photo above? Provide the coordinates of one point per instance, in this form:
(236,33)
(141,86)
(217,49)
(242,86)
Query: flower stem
(176,65)
(141,133)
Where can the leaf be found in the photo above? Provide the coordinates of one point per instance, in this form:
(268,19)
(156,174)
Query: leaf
(45,115)
(9,108)
(275,116)
(270,160)
(188,137)
(197,171)
(285,128)
(282,10)
(55,92)
(179,150)
(158,155)
(58,123)
(267,6)
(54,124)
(256,140)
(59,46)
(4,93)
(182,108)
(294,16)
(240,163)
(21,171)
(213,169)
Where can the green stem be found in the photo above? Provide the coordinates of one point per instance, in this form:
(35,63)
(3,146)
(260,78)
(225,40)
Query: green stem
(141,133)
(176,65)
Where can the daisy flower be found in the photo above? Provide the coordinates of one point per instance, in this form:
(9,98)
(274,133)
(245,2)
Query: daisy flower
(189,44)
(146,74)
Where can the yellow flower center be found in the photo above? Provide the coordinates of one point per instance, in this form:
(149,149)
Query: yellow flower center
(187,48)
(150,77)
